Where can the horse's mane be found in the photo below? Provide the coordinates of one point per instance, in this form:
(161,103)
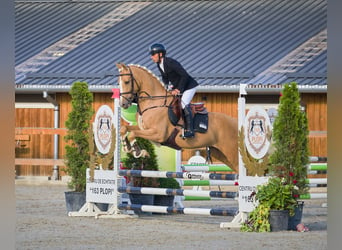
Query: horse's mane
(148,71)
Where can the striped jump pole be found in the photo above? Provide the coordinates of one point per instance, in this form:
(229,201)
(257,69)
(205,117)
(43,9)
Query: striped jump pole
(195,198)
(313,196)
(203,198)
(208,183)
(317,181)
(317,158)
(317,167)
(206,168)
(180,175)
(175,210)
(180,192)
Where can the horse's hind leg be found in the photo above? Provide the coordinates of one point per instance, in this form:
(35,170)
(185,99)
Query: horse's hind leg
(216,153)
(208,158)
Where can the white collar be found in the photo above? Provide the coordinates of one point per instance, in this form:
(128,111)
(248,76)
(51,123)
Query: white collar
(161,64)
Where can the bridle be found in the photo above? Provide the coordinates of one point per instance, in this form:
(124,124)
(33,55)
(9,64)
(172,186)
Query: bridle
(131,92)
(137,95)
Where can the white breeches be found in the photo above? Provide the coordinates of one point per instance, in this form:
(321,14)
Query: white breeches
(187,96)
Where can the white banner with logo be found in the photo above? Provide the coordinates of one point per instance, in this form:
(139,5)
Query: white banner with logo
(101,189)
(102,128)
(256,125)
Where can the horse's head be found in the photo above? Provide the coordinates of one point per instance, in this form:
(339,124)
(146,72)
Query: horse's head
(126,82)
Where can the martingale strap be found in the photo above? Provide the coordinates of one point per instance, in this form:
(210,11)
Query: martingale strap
(171,141)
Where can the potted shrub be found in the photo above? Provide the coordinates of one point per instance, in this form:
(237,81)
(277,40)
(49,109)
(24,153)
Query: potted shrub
(142,163)
(77,150)
(291,151)
(275,203)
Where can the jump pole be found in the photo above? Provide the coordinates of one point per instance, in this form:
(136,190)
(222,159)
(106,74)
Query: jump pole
(206,168)
(179,175)
(317,167)
(174,210)
(187,183)
(179,192)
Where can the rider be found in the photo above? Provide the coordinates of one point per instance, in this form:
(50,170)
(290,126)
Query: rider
(178,81)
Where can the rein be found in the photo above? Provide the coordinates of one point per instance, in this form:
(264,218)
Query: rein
(153,107)
(137,95)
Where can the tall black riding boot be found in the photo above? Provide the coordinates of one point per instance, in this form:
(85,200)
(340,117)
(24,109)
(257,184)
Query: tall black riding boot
(189,123)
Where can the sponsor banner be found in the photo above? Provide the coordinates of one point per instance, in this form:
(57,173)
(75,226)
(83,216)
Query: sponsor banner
(248,185)
(101,189)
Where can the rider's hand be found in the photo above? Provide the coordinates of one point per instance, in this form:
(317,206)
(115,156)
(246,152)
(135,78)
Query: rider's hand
(175,92)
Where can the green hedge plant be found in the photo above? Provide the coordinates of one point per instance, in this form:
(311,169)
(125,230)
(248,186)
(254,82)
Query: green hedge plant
(290,135)
(77,150)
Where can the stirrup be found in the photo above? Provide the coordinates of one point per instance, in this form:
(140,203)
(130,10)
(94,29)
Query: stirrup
(187,134)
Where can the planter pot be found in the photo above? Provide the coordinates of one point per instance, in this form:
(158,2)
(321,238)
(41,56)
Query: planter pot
(164,200)
(279,220)
(142,199)
(297,217)
(74,200)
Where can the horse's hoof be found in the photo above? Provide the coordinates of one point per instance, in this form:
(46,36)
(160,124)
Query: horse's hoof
(143,153)
(126,148)
(126,145)
(137,152)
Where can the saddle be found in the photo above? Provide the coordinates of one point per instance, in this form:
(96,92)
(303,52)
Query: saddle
(199,112)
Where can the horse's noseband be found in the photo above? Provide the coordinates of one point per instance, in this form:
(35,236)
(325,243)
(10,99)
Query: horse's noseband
(133,96)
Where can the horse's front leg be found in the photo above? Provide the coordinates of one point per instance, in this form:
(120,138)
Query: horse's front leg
(152,134)
(126,145)
(130,144)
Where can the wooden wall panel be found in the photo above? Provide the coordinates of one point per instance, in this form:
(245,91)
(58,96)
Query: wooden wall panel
(38,146)
(316,109)
(318,146)
(103,99)
(64,101)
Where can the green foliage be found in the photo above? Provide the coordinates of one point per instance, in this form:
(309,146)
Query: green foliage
(78,123)
(143,163)
(276,194)
(258,220)
(290,135)
(168,183)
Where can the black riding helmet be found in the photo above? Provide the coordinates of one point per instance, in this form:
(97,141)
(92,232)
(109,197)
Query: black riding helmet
(157,48)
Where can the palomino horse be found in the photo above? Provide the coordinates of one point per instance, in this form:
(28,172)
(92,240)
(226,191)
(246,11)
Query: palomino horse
(138,84)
